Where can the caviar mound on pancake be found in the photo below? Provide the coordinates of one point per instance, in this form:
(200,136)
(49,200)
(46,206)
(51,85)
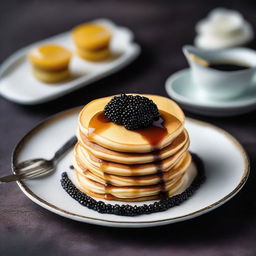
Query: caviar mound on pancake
(133,112)
(132,148)
(50,63)
(99,129)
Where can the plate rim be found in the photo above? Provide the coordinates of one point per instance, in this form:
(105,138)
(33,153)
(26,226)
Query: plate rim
(24,188)
(213,105)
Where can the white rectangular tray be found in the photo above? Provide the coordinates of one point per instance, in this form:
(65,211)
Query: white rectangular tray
(18,84)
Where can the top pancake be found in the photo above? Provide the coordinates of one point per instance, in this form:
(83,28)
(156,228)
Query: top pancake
(118,138)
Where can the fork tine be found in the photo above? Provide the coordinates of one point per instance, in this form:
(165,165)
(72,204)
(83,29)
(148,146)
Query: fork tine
(28,163)
(30,170)
(34,170)
(39,173)
(34,173)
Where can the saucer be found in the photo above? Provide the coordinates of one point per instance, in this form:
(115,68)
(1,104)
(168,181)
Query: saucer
(180,87)
(219,151)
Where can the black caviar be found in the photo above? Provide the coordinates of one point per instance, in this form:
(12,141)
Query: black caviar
(128,210)
(132,111)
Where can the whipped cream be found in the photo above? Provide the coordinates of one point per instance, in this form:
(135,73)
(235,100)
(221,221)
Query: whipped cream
(223,28)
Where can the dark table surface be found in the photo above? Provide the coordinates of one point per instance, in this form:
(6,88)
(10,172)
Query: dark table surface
(161,28)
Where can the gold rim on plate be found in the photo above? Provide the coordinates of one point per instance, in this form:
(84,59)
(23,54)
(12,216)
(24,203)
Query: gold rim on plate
(71,111)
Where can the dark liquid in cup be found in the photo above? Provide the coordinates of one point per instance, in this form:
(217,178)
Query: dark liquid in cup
(229,66)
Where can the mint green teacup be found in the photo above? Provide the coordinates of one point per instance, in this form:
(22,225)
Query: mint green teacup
(221,84)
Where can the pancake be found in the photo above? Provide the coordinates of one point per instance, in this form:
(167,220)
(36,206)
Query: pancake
(50,57)
(186,181)
(115,180)
(127,192)
(51,77)
(50,63)
(98,55)
(91,36)
(118,138)
(96,165)
(134,158)
(92,41)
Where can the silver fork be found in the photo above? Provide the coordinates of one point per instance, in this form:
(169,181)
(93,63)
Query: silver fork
(38,167)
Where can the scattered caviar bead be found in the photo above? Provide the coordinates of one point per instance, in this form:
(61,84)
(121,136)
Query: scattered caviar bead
(128,210)
(63,175)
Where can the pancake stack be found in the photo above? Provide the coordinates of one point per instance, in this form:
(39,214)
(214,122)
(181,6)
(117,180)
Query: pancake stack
(50,63)
(92,41)
(114,163)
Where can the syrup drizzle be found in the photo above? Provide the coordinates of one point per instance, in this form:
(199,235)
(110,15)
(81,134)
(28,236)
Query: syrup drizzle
(154,136)
(98,123)
(103,165)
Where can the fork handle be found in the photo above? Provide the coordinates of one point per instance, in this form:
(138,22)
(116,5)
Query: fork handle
(10,178)
(70,143)
(15,177)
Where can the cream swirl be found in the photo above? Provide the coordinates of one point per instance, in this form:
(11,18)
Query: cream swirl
(223,28)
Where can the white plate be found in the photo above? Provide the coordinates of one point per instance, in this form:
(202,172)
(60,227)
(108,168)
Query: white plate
(225,161)
(19,85)
(180,87)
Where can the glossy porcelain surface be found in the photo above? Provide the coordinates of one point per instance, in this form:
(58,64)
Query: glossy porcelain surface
(18,84)
(215,84)
(226,165)
(180,87)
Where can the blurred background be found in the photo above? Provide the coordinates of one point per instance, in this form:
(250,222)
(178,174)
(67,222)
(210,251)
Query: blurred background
(161,27)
